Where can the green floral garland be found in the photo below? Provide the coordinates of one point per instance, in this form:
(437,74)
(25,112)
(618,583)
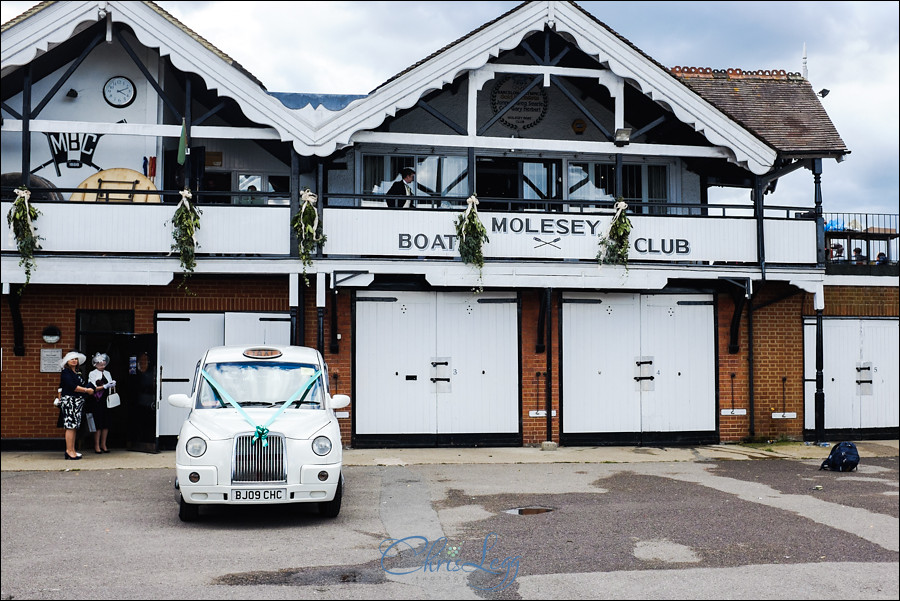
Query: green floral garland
(308,230)
(614,246)
(186,222)
(21,218)
(471,235)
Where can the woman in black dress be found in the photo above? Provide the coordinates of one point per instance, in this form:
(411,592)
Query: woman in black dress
(71,399)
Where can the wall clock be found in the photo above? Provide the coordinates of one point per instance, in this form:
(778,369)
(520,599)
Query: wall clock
(119,91)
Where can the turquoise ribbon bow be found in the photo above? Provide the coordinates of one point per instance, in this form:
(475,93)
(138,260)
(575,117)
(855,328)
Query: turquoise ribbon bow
(262,432)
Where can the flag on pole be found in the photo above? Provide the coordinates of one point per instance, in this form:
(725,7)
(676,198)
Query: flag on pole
(182,143)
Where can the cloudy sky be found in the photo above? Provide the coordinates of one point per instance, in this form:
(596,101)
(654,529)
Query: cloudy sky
(352,47)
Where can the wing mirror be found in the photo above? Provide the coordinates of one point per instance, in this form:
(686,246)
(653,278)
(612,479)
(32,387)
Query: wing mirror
(180,400)
(339,401)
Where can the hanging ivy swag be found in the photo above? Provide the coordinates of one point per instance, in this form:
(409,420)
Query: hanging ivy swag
(614,245)
(471,236)
(308,230)
(21,218)
(186,222)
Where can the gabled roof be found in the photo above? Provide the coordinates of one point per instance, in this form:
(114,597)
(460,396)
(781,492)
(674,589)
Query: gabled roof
(50,23)
(781,108)
(725,110)
(593,37)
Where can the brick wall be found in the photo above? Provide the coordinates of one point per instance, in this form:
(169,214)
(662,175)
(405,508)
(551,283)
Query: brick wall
(27,410)
(777,341)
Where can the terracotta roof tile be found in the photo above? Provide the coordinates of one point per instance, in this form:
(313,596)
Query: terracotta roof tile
(780,108)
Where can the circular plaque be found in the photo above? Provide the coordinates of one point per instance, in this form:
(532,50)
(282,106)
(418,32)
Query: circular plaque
(528,111)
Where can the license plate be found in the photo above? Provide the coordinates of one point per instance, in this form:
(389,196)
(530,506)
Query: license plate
(258,495)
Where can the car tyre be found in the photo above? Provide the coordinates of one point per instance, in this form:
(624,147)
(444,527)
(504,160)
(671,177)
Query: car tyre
(188,512)
(331,509)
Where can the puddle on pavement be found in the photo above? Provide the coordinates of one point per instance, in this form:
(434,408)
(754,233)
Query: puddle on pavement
(529,510)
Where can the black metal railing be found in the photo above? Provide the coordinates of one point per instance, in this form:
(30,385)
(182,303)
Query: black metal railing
(861,239)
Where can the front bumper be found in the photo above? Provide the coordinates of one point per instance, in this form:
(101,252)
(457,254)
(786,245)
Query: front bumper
(208,490)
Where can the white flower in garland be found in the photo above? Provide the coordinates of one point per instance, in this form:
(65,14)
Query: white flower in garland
(185,223)
(308,230)
(614,245)
(22,231)
(472,235)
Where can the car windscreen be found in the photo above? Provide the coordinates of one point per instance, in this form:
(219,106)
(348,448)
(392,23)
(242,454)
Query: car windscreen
(258,384)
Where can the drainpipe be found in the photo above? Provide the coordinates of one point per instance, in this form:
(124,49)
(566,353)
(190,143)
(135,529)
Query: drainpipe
(320,311)
(548,381)
(750,365)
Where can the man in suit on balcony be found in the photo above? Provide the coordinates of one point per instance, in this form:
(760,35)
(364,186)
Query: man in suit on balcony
(401,187)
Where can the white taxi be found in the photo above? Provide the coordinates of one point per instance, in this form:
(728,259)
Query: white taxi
(262,429)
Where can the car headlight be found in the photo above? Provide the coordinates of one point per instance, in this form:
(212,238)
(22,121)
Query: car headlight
(321,445)
(195,447)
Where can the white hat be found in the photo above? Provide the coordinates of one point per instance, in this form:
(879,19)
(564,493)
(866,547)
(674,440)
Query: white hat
(98,357)
(69,356)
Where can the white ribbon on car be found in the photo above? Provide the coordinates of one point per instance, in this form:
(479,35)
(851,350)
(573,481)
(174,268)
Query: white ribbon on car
(261,432)
(309,200)
(472,201)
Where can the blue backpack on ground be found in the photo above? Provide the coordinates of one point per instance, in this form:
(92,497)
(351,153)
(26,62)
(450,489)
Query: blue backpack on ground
(843,458)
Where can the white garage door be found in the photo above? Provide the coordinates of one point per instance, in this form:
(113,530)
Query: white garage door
(182,338)
(860,358)
(638,368)
(432,364)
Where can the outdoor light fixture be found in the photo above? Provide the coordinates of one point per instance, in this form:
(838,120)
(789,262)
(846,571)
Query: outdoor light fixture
(623,136)
(51,334)
(72,93)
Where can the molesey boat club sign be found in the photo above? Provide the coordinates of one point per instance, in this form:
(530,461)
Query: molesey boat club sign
(431,234)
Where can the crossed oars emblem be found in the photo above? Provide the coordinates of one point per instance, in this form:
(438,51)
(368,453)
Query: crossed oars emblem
(543,243)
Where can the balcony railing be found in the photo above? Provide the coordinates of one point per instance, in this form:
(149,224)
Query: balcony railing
(861,238)
(358,228)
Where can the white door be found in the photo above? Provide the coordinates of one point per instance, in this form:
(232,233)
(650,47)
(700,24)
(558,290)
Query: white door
(638,364)
(678,346)
(257,328)
(601,338)
(395,344)
(478,337)
(436,363)
(860,358)
(182,338)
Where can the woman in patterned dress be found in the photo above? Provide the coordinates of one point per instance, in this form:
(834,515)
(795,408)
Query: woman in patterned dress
(72,402)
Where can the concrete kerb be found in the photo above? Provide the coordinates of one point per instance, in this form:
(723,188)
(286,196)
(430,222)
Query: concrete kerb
(120,459)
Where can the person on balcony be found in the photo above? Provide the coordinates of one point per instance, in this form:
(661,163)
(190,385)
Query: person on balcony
(401,187)
(881,259)
(858,257)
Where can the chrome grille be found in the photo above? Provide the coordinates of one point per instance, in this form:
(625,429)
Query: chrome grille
(255,463)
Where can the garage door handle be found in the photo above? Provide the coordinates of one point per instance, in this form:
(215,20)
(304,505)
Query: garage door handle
(436,363)
(864,381)
(863,368)
(643,362)
(639,378)
(440,379)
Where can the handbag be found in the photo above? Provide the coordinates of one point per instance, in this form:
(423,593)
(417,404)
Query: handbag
(113,400)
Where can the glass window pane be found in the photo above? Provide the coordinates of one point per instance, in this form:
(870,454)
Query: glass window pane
(657,184)
(374,175)
(455,176)
(588,182)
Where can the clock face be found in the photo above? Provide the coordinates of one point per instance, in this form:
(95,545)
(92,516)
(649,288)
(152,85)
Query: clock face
(119,91)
